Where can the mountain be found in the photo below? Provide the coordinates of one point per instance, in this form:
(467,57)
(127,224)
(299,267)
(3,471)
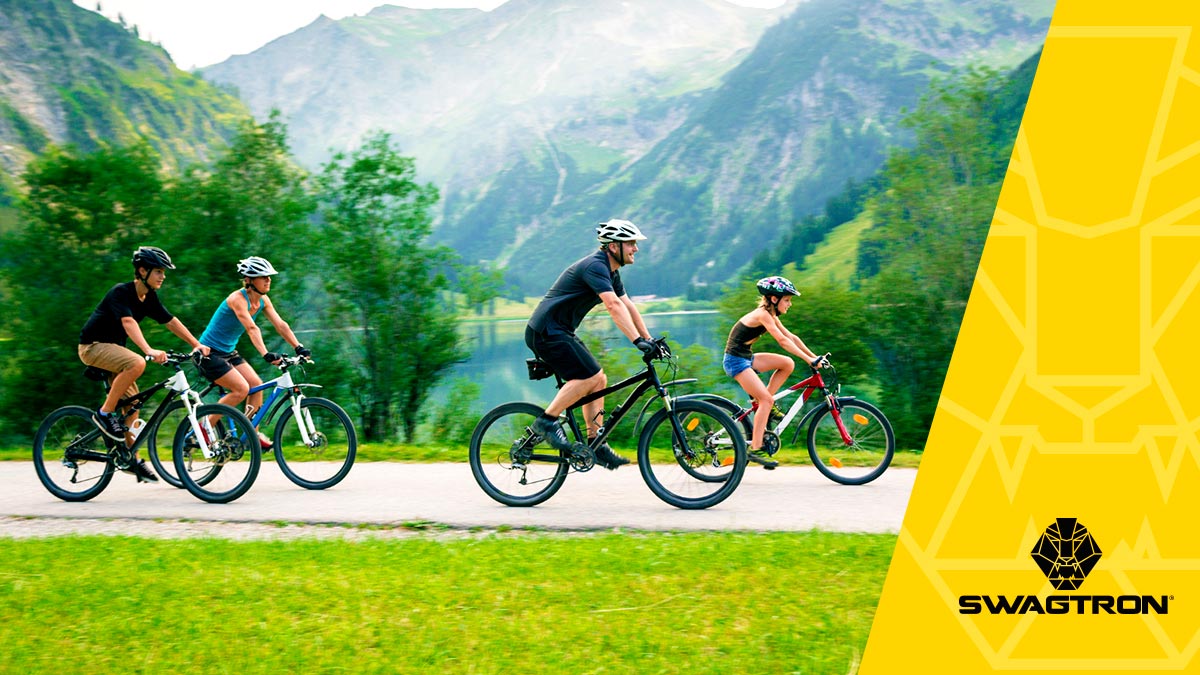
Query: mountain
(465,90)
(71,76)
(817,103)
(714,126)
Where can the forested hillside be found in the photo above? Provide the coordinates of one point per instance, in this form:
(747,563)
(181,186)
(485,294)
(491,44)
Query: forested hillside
(890,302)
(69,76)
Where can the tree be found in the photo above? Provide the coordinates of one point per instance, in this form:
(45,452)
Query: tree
(480,285)
(82,218)
(931,218)
(253,200)
(384,280)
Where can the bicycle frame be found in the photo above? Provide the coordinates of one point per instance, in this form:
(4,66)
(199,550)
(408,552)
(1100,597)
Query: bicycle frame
(806,386)
(282,389)
(178,387)
(644,381)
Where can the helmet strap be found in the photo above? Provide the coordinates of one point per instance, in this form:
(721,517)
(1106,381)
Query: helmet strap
(620,248)
(248,284)
(144,279)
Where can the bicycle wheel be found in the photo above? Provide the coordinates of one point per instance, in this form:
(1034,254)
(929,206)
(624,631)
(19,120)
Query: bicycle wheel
(160,446)
(512,464)
(698,469)
(70,455)
(728,407)
(236,455)
(328,456)
(865,457)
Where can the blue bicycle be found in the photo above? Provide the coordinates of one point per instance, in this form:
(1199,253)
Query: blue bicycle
(314,441)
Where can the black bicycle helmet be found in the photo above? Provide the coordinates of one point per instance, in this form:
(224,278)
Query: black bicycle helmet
(151,258)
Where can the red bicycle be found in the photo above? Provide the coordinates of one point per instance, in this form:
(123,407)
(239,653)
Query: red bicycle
(849,440)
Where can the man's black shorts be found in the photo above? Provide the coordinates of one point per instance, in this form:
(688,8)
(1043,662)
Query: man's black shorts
(216,364)
(565,353)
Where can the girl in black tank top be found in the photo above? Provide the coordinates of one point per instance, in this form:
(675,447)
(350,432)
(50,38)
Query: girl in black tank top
(744,366)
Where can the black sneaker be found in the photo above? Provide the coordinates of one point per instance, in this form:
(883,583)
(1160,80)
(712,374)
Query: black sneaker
(143,472)
(553,432)
(608,459)
(760,457)
(110,425)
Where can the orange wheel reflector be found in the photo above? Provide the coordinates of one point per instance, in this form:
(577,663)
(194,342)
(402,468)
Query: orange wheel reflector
(691,426)
(835,462)
(860,418)
(728,461)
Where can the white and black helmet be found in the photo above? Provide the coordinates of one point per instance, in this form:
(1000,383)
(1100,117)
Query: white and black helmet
(618,230)
(255,266)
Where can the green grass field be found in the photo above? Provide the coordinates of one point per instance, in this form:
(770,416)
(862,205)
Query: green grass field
(496,603)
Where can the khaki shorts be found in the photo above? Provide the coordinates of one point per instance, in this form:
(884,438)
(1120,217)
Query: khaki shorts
(110,357)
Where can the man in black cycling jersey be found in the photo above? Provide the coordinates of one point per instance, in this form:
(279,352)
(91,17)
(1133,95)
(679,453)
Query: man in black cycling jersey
(551,332)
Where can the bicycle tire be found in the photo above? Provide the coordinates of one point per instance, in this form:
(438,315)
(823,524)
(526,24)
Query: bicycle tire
(69,437)
(728,407)
(715,446)
(160,446)
(873,443)
(505,433)
(234,467)
(336,442)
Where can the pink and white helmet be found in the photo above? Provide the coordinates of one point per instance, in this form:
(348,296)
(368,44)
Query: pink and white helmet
(776,286)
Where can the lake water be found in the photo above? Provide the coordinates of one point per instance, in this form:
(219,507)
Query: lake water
(498,352)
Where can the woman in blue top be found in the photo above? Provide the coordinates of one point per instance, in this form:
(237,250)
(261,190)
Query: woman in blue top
(235,316)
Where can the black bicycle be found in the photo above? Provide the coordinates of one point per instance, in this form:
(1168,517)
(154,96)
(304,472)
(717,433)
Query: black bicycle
(690,453)
(75,461)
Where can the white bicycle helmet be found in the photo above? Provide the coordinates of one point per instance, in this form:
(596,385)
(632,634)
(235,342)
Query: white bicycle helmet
(255,266)
(618,230)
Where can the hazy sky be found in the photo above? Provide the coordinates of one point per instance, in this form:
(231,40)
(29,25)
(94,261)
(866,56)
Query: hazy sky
(203,32)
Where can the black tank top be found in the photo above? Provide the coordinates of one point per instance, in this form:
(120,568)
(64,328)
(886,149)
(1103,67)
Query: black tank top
(740,339)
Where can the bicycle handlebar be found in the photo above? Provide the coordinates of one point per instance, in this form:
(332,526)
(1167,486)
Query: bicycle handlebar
(174,358)
(286,362)
(662,353)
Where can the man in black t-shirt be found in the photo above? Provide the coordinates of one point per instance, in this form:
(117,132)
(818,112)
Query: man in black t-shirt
(103,338)
(551,335)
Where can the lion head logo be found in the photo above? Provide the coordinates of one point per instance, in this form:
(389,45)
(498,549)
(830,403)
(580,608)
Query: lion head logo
(1066,553)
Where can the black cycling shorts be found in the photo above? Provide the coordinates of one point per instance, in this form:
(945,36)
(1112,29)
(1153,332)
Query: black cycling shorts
(216,364)
(565,353)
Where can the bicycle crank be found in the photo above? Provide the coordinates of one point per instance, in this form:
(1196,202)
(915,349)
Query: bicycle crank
(770,443)
(581,457)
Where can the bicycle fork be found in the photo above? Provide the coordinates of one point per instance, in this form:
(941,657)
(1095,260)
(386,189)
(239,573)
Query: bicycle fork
(304,421)
(835,410)
(201,429)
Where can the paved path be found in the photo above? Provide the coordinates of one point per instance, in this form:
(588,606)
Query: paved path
(787,499)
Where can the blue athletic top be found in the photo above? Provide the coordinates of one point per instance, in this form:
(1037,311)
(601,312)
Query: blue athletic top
(224,329)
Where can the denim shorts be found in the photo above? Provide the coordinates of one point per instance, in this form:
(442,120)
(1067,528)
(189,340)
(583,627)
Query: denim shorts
(736,364)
